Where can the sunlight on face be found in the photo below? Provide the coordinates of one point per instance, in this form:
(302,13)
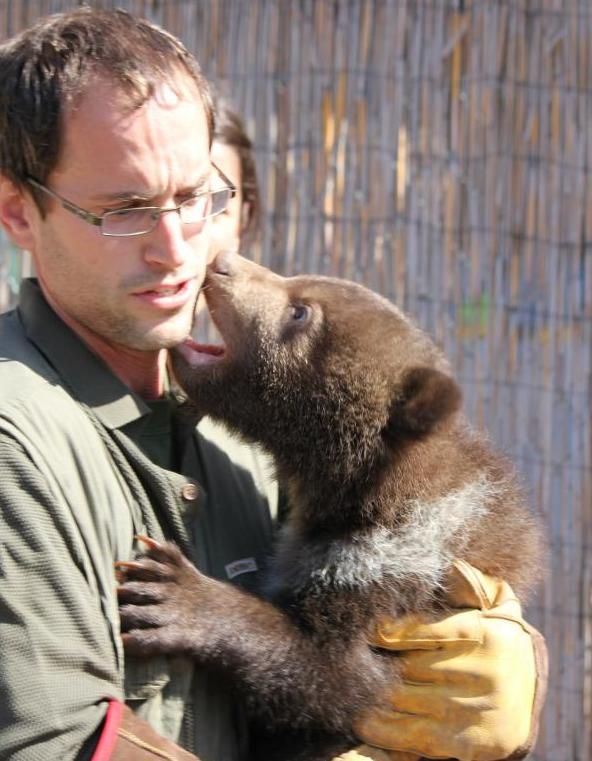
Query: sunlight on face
(140,292)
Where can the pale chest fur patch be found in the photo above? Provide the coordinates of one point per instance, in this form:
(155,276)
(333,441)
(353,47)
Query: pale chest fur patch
(418,552)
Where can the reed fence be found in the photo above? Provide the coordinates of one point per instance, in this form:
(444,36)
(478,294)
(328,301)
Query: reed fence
(439,151)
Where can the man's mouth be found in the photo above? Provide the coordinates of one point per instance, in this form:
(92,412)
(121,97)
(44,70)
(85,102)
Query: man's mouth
(168,296)
(170,291)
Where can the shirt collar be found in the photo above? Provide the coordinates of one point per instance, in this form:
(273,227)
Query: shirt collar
(84,373)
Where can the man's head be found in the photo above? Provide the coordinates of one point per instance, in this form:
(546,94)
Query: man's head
(45,70)
(108,112)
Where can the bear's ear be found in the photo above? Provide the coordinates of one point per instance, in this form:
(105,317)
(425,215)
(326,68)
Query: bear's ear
(425,399)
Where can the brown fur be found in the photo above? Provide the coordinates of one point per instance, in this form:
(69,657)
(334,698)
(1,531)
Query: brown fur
(387,484)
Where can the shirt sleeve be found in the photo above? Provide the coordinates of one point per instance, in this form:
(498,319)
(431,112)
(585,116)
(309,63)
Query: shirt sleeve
(58,659)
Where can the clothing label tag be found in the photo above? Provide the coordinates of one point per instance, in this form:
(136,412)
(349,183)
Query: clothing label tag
(245,565)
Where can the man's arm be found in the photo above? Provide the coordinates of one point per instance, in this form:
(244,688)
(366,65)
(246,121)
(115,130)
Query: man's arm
(59,664)
(60,671)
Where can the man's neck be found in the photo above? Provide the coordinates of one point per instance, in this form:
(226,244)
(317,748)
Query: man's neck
(143,371)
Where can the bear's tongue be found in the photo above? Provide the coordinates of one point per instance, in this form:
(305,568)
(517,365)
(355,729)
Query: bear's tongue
(200,354)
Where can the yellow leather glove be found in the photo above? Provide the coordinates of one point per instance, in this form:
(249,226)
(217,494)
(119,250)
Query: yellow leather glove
(473,681)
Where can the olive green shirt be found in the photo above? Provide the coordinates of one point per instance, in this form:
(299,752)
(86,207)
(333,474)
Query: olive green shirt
(75,488)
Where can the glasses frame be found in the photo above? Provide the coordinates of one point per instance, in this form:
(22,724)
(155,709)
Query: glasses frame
(158,211)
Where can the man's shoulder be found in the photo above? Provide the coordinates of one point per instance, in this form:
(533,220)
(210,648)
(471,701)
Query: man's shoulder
(23,368)
(30,389)
(43,423)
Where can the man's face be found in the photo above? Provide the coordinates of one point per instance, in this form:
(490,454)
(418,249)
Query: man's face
(137,292)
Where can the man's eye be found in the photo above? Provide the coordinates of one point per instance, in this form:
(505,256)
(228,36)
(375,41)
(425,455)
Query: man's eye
(192,199)
(121,212)
(129,208)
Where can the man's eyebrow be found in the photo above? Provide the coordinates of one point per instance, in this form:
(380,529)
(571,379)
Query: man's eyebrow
(133,196)
(125,195)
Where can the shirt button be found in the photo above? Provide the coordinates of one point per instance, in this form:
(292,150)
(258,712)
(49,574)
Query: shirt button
(190,492)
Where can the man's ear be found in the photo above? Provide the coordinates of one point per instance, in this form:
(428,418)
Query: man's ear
(425,400)
(16,209)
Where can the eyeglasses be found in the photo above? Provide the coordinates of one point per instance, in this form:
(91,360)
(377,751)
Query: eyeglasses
(139,220)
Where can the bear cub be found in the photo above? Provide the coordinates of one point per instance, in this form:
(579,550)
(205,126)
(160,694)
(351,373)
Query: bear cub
(387,485)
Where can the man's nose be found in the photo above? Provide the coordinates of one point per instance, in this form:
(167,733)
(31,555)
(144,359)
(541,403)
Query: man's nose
(166,244)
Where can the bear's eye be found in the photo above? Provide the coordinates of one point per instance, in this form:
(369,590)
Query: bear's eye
(299,312)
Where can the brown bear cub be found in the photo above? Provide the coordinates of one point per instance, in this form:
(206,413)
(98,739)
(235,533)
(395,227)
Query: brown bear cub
(387,484)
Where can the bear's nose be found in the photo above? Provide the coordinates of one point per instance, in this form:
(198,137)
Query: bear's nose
(224,263)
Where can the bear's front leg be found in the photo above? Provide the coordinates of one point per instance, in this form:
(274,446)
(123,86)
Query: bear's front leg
(300,675)
(166,604)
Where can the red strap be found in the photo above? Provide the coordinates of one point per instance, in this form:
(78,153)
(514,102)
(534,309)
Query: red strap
(108,737)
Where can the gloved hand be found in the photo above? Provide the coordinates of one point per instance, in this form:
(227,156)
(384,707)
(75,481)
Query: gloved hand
(473,681)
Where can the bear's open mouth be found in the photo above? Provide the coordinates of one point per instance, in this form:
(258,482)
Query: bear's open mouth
(197,354)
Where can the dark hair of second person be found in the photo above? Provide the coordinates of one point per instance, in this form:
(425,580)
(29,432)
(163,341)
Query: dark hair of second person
(232,152)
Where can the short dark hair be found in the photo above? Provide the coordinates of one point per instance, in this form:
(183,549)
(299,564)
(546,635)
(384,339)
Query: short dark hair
(230,130)
(52,64)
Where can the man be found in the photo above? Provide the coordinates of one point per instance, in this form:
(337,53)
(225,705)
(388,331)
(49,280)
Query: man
(106,178)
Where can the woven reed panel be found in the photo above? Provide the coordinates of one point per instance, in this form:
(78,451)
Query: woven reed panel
(440,152)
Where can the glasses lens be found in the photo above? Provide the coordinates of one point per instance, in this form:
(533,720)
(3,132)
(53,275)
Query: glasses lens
(220,199)
(129,221)
(204,206)
(138,221)
(195,209)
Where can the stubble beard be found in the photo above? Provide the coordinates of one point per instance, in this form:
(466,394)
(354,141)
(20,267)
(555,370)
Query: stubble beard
(80,305)
(128,332)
